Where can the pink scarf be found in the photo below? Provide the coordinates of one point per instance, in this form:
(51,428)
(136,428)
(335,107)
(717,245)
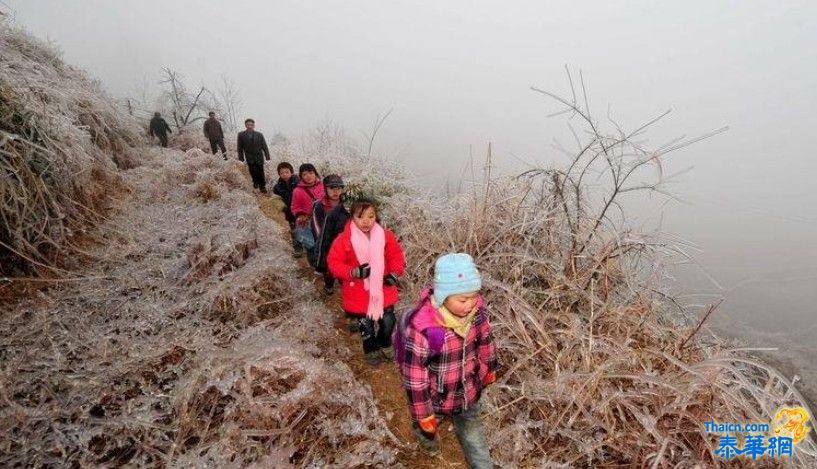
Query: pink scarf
(371,249)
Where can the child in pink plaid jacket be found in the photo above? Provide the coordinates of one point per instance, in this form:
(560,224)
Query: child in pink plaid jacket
(449,358)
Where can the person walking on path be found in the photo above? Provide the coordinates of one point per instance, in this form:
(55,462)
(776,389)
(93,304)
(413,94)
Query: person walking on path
(252,147)
(214,133)
(446,355)
(159,128)
(368,260)
(329,217)
(287,181)
(308,190)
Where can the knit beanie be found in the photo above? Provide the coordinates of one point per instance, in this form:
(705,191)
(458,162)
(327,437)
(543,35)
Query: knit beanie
(454,274)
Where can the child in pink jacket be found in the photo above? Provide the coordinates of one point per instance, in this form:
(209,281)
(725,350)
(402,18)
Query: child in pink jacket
(309,189)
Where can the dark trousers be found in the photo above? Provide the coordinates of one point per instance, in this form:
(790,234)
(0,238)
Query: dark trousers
(295,243)
(328,281)
(312,257)
(377,335)
(257,173)
(162,139)
(218,142)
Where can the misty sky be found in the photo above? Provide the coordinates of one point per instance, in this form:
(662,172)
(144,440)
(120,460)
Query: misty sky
(458,73)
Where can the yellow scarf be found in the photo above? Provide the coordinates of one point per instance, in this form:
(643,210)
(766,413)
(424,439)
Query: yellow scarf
(457,324)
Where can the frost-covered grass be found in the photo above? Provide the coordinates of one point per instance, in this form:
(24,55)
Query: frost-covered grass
(61,141)
(191,341)
(171,328)
(599,367)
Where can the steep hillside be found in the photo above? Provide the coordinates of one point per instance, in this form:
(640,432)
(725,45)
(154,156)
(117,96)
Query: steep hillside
(191,340)
(61,142)
(152,315)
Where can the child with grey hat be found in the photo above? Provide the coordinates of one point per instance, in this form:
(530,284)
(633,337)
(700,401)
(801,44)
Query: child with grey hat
(329,216)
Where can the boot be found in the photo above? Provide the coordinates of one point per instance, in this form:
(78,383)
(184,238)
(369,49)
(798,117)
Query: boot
(373,358)
(388,352)
(430,446)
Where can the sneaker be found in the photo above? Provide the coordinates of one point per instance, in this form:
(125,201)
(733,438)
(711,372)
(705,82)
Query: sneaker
(373,358)
(388,352)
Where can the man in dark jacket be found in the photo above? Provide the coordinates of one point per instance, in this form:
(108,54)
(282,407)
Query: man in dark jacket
(213,132)
(329,217)
(159,128)
(253,147)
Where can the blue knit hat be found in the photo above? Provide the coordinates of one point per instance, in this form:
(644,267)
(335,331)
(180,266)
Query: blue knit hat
(454,274)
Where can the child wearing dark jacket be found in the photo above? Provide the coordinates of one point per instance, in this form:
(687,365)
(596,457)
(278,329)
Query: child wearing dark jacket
(287,181)
(449,358)
(367,260)
(329,217)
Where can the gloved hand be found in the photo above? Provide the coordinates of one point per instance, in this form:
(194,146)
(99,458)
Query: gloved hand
(490,378)
(391,279)
(361,271)
(429,424)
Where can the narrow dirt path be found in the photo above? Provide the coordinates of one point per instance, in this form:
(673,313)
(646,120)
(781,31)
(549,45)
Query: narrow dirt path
(384,379)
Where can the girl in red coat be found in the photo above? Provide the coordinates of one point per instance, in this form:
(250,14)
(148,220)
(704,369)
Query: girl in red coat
(367,259)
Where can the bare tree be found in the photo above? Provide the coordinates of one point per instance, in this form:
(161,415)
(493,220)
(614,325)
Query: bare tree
(187,107)
(376,128)
(619,155)
(230,101)
(142,100)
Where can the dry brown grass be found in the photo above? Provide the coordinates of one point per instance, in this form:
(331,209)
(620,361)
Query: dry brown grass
(181,348)
(598,366)
(61,141)
(206,188)
(189,140)
(191,342)
(595,372)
